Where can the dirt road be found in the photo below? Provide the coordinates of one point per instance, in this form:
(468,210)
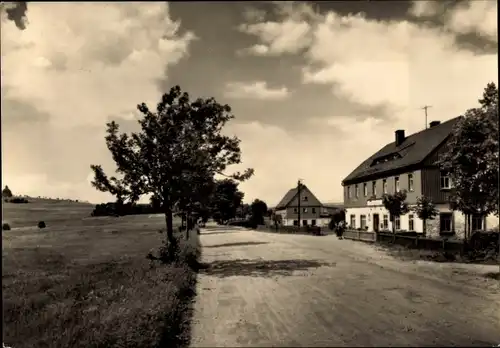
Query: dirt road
(265,289)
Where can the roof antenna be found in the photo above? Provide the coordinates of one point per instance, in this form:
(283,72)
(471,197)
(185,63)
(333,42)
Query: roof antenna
(425,109)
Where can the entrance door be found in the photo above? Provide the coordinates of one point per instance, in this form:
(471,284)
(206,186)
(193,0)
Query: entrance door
(376,222)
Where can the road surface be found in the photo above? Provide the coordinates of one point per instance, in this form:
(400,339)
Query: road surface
(265,289)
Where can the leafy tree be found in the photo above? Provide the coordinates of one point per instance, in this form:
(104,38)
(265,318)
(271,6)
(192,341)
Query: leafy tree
(226,200)
(16,12)
(337,217)
(6,192)
(396,206)
(471,159)
(179,142)
(259,211)
(425,210)
(243,211)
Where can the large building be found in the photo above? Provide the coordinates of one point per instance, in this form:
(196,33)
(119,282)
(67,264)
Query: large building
(312,211)
(408,163)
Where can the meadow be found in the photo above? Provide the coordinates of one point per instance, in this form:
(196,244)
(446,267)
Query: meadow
(86,282)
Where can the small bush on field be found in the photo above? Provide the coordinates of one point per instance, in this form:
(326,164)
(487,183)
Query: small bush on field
(18,200)
(41,224)
(5,227)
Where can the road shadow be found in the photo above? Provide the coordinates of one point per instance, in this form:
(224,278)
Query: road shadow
(218,232)
(259,268)
(234,244)
(493,275)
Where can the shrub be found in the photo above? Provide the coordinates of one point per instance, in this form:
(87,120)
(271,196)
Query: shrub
(5,227)
(41,224)
(18,200)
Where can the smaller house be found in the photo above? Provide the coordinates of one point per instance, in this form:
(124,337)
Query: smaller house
(312,211)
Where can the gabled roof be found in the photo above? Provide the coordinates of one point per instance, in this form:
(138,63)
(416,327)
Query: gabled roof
(414,150)
(290,195)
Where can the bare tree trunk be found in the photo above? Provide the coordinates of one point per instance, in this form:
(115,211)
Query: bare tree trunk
(169,224)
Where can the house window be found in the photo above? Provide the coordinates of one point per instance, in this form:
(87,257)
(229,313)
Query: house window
(304,222)
(365,189)
(353,221)
(294,210)
(411,223)
(384,186)
(304,210)
(348,191)
(356,191)
(445,181)
(385,222)
(397,223)
(445,222)
(313,222)
(295,222)
(477,223)
(374,188)
(410,182)
(305,198)
(363,221)
(314,210)
(396,184)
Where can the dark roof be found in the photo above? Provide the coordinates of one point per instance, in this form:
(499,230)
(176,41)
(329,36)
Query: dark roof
(414,150)
(290,195)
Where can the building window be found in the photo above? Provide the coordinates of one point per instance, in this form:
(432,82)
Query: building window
(374,188)
(384,186)
(396,184)
(304,210)
(304,222)
(305,198)
(363,221)
(445,181)
(356,191)
(411,223)
(445,222)
(295,222)
(313,210)
(397,223)
(295,210)
(348,191)
(477,223)
(365,189)
(313,222)
(410,182)
(385,222)
(353,221)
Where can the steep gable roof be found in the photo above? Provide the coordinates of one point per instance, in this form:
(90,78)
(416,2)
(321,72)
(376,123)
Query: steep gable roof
(291,194)
(414,150)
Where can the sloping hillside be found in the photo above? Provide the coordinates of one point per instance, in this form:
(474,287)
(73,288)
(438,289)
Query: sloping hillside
(53,212)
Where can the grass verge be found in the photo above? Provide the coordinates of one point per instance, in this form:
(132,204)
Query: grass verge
(93,287)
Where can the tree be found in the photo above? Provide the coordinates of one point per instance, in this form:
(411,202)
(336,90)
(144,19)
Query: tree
(225,200)
(471,159)
(180,142)
(337,217)
(16,12)
(396,206)
(6,192)
(425,210)
(243,211)
(259,211)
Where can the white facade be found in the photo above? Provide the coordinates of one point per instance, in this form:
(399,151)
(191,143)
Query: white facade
(433,226)
(383,214)
(322,222)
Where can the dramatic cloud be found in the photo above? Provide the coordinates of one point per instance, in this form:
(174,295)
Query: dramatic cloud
(77,65)
(478,17)
(425,8)
(255,90)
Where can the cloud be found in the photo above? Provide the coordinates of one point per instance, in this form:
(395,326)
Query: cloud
(72,68)
(255,90)
(424,8)
(478,17)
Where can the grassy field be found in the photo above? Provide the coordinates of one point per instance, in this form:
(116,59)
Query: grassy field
(85,282)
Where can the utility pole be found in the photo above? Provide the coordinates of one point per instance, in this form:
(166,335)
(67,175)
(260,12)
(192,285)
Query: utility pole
(299,184)
(425,109)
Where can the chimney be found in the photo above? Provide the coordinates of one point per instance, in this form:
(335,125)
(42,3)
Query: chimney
(434,123)
(400,136)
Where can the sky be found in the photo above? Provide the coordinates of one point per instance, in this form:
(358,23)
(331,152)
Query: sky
(315,88)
